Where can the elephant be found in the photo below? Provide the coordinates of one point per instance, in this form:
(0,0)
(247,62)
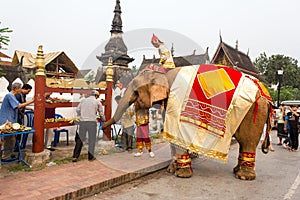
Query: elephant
(239,107)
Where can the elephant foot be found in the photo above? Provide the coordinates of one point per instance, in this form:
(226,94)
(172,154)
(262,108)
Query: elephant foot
(245,173)
(185,172)
(172,167)
(244,170)
(236,168)
(183,166)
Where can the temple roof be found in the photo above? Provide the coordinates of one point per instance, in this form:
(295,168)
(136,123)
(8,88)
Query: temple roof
(5,59)
(52,60)
(236,58)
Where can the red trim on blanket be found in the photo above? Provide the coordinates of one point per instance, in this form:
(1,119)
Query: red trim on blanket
(263,92)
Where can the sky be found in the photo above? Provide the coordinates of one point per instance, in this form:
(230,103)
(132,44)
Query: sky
(82,28)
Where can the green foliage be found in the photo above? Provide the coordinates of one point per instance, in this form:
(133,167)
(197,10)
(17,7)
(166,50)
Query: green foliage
(19,167)
(4,39)
(286,93)
(32,75)
(268,66)
(90,78)
(63,161)
(1,72)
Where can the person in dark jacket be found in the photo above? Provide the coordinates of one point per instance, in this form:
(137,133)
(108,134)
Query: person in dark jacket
(293,120)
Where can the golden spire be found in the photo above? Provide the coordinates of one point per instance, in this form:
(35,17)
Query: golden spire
(40,62)
(109,70)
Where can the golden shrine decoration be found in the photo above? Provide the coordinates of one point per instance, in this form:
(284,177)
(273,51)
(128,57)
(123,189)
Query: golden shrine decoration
(40,62)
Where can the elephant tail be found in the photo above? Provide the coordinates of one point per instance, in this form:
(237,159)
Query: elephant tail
(266,143)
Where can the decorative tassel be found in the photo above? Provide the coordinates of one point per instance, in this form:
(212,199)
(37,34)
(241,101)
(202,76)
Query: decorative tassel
(255,110)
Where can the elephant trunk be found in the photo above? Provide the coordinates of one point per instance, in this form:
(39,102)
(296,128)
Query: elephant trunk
(128,98)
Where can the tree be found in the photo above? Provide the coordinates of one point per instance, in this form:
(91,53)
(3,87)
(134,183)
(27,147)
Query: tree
(261,63)
(90,77)
(4,39)
(268,66)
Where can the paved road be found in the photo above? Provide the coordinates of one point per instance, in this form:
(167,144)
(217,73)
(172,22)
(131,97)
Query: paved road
(278,177)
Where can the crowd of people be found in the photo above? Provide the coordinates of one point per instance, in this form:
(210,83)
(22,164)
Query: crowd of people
(288,127)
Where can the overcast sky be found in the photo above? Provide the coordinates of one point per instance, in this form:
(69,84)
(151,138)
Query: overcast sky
(78,27)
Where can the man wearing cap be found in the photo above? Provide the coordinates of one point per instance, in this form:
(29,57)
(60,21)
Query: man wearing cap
(87,110)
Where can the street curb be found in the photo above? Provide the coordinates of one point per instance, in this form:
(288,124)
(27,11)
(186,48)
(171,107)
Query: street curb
(107,184)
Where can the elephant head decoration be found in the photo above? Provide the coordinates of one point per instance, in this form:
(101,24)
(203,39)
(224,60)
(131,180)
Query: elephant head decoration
(205,106)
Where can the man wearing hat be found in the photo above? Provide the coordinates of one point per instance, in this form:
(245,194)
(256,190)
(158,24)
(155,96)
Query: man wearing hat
(87,110)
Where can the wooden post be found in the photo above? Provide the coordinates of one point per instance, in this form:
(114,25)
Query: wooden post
(39,101)
(108,98)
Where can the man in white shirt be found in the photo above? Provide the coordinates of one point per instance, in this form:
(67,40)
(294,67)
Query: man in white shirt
(88,109)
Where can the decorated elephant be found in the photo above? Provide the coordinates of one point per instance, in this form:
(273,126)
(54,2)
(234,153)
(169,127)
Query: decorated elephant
(205,106)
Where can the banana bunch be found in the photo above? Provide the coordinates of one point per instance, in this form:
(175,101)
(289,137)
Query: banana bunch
(70,120)
(24,128)
(49,120)
(74,120)
(61,119)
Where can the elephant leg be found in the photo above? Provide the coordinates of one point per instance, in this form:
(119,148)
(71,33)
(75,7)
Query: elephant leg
(181,164)
(173,165)
(245,169)
(238,166)
(184,168)
(248,136)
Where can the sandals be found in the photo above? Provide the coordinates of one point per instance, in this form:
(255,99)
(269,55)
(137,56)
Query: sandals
(138,154)
(151,154)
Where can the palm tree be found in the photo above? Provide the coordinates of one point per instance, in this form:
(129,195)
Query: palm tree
(4,39)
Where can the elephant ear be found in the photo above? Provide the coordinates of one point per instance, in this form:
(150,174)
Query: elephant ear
(151,86)
(159,88)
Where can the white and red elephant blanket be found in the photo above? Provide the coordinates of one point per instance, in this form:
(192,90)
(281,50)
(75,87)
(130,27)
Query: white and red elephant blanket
(206,105)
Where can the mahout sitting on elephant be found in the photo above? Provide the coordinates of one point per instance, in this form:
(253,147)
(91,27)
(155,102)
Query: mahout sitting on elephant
(205,106)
